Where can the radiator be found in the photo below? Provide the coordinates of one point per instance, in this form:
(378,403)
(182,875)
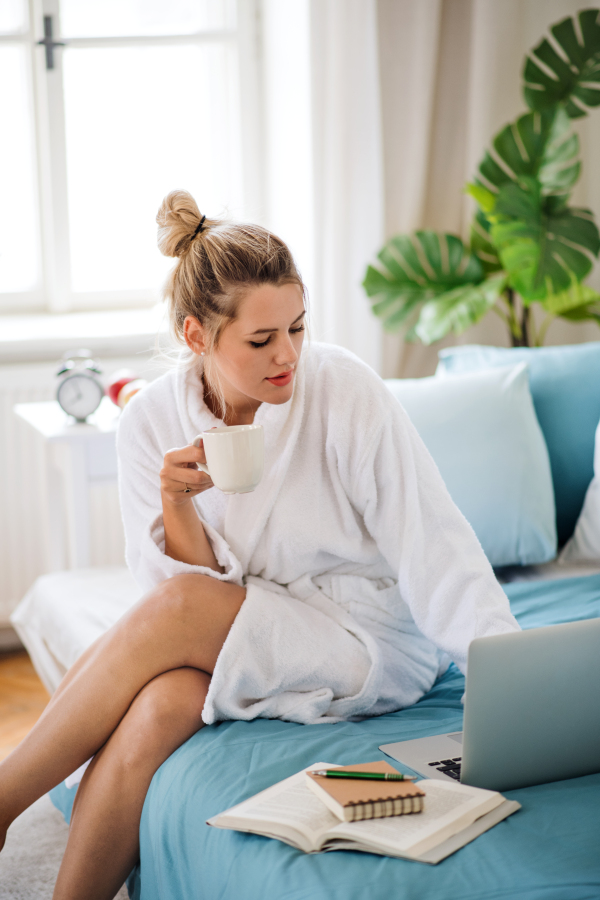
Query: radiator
(21,487)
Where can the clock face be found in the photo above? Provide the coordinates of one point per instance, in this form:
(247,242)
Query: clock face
(79,395)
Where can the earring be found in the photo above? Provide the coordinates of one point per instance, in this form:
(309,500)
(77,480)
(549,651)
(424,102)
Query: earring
(202,354)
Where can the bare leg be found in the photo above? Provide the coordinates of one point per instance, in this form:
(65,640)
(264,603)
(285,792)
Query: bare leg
(99,857)
(184,622)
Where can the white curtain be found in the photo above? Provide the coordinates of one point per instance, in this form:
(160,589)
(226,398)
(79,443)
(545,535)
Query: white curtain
(348,170)
(324,156)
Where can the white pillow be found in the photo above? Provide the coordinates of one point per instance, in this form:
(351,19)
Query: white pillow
(482,431)
(585,543)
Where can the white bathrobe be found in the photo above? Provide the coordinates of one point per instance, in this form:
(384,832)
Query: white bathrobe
(362,576)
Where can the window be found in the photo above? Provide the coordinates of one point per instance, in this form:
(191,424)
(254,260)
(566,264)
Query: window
(140,97)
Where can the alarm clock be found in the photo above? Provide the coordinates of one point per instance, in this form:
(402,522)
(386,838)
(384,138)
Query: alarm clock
(80,391)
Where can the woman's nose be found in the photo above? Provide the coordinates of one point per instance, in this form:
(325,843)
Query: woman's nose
(285,352)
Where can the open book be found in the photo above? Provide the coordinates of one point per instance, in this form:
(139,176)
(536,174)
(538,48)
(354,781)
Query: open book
(454,814)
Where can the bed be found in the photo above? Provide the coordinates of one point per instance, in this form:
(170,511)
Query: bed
(520,454)
(550,850)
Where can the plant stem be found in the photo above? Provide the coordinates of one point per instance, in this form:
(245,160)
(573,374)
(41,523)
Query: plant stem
(541,335)
(516,333)
(526,326)
(502,315)
(519,320)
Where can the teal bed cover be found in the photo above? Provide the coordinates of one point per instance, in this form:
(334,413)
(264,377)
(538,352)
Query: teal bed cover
(549,850)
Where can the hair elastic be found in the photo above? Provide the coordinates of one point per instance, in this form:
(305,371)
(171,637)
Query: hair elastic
(199,228)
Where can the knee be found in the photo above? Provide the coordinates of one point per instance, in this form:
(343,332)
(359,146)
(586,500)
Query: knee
(170,704)
(176,595)
(171,697)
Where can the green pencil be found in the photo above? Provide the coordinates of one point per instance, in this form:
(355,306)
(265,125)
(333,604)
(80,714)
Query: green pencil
(366,776)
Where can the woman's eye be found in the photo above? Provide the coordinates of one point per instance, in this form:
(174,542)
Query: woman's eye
(264,343)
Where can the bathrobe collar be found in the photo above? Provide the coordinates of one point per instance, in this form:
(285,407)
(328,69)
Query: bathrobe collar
(247,514)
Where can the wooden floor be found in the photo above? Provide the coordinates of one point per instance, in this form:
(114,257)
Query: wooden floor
(22,699)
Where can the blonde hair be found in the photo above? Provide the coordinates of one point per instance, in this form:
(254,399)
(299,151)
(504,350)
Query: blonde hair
(218,262)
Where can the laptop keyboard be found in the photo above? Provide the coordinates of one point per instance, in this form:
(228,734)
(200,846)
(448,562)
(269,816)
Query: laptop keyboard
(449,767)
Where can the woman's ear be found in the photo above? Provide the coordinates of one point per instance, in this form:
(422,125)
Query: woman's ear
(193,333)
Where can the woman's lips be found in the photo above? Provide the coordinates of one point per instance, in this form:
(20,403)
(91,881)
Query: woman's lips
(282,379)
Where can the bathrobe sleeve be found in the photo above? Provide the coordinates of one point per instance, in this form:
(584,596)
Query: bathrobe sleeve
(140,461)
(443,574)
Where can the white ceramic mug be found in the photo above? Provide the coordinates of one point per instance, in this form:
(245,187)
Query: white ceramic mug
(235,457)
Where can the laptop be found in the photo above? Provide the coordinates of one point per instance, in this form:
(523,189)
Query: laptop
(532,712)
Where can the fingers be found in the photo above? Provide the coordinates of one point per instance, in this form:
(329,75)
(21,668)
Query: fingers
(187,474)
(189,455)
(178,492)
(176,479)
(178,489)
(180,478)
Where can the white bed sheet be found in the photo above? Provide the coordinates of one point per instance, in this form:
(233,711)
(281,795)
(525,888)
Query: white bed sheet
(64,612)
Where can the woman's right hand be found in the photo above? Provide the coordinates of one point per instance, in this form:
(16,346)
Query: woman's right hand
(180,471)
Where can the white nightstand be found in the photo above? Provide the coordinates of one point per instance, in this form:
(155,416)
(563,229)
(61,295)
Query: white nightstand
(75,456)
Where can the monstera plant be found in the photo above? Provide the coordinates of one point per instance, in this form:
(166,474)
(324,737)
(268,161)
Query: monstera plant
(527,245)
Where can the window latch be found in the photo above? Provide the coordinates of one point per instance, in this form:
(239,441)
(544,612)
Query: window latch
(49,43)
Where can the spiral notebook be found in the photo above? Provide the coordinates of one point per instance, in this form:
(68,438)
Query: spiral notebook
(353,801)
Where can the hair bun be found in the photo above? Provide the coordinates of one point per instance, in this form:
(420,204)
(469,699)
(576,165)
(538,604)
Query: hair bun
(178,221)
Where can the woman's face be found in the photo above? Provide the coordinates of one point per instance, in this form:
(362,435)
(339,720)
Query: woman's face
(258,352)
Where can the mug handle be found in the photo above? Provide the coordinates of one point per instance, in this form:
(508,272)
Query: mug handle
(196,443)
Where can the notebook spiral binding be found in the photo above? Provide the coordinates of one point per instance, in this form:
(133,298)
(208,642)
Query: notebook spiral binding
(398,806)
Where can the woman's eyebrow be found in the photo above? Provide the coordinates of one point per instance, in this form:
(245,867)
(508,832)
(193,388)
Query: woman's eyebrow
(269,330)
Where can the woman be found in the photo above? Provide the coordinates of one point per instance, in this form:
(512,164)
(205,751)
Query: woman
(333,590)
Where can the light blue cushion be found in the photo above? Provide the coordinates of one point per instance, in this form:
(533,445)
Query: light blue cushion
(565,386)
(482,431)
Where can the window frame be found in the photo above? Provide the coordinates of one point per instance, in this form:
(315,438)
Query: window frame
(34,299)
(54,294)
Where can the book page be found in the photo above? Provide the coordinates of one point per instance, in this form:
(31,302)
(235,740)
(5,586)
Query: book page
(297,805)
(289,804)
(448,809)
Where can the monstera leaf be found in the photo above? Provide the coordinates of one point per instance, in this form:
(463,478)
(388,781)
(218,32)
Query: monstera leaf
(586,312)
(539,145)
(414,269)
(571,77)
(544,245)
(481,242)
(458,309)
(578,302)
